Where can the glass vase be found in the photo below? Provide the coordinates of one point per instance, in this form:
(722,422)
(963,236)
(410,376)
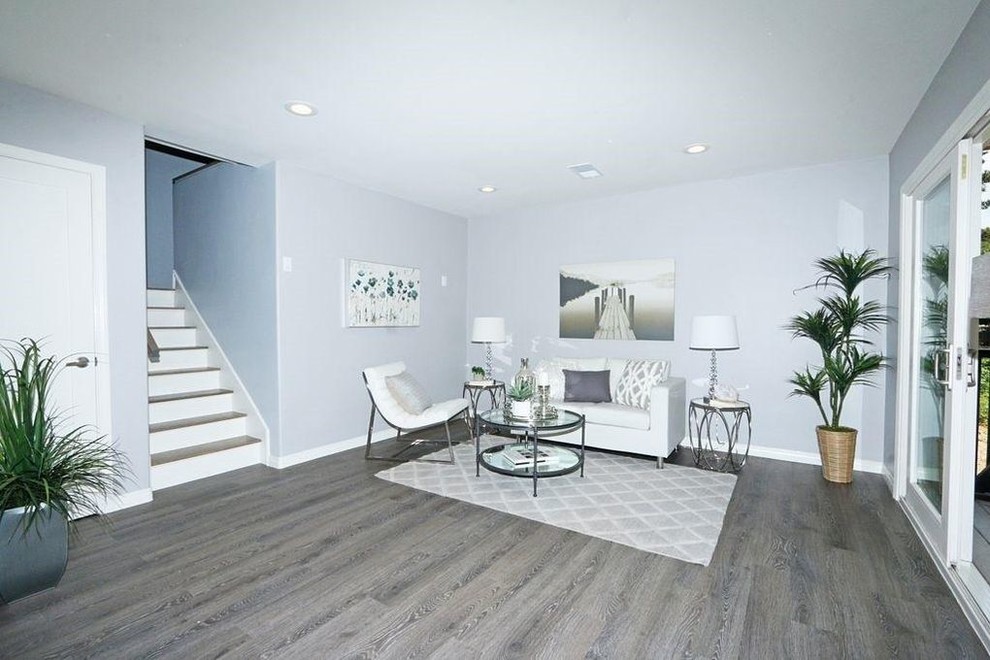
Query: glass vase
(524,375)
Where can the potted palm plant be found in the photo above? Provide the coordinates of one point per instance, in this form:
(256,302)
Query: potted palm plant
(49,471)
(838,326)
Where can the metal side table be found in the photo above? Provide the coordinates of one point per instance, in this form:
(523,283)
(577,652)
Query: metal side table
(714,428)
(473,391)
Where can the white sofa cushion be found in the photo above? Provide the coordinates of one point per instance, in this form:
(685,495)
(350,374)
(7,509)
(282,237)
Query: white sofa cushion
(588,364)
(609,414)
(555,372)
(637,381)
(615,367)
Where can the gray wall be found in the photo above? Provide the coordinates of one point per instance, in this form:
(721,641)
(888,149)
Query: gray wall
(39,121)
(741,247)
(224,226)
(321,222)
(965,71)
(159,171)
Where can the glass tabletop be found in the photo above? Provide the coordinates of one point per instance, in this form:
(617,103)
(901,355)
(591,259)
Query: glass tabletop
(517,459)
(715,404)
(564,419)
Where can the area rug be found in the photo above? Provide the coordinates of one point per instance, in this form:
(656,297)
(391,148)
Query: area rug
(676,512)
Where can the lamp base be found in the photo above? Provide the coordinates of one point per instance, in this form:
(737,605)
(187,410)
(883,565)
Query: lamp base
(712,378)
(489,359)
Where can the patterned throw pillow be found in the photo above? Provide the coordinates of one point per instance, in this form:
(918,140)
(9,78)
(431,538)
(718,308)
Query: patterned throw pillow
(408,393)
(638,379)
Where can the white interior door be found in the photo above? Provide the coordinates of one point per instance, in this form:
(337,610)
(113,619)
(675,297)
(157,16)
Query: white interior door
(52,272)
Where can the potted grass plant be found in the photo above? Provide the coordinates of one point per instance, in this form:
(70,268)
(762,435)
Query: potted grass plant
(49,470)
(839,327)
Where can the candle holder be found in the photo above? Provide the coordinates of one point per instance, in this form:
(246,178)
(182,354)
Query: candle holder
(543,408)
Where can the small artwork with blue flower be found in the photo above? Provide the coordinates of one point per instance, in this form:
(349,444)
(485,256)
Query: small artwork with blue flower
(380,295)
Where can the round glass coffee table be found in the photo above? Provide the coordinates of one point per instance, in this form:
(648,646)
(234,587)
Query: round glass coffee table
(527,458)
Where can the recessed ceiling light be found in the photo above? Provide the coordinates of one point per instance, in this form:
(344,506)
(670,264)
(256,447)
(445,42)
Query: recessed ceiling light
(487,189)
(697,148)
(301,108)
(585,170)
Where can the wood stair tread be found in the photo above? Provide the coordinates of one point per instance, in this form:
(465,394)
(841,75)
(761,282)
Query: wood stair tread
(164,307)
(171,327)
(190,370)
(202,450)
(194,421)
(162,398)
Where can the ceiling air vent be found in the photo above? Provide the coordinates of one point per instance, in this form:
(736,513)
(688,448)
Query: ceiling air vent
(585,170)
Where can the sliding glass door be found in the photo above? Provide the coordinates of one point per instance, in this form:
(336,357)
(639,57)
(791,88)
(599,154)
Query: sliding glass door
(930,343)
(935,269)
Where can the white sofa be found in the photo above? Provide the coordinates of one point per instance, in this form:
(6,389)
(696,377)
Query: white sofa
(654,432)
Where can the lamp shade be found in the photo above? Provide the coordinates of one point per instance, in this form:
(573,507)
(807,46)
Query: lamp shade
(979,293)
(488,329)
(714,333)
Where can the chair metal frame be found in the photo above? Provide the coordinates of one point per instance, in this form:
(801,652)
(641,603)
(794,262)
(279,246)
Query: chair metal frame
(397,457)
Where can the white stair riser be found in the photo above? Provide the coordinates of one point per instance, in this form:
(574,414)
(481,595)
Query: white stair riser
(160,298)
(208,465)
(174,337)
(179,383)
(190,436)
(167,411)
(187,359)
(166,317)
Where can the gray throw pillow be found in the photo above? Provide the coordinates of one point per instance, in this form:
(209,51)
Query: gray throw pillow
(586,386)
(408,393)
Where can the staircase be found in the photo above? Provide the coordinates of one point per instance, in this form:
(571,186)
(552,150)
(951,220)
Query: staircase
(195,430)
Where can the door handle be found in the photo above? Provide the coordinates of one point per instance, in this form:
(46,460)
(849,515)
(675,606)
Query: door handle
(971,369)
(937,366)
(82,362)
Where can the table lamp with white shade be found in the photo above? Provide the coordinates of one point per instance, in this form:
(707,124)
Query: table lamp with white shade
(488,330)
(714,333)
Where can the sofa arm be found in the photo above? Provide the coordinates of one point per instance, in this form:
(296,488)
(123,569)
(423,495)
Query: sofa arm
(668,414)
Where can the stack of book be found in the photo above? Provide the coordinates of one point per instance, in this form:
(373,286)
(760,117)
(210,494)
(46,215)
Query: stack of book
(522,455)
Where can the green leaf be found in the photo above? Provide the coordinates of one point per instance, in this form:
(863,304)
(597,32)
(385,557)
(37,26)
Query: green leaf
(848,271)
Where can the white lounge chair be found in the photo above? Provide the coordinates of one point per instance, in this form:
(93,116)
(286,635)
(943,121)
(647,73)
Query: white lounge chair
(395,415)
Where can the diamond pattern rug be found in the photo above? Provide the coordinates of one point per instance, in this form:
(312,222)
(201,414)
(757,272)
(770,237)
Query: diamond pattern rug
(676,511)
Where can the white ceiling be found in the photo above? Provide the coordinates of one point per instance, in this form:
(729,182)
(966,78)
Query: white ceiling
(429,100)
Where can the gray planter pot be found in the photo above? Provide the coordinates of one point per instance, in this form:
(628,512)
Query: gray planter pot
(34,561)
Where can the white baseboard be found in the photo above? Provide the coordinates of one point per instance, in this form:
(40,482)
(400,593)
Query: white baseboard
(281,462)
(807,457)
(126,500)
(888,476)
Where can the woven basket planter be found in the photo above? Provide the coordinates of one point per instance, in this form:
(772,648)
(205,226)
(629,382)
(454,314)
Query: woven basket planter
(838,450)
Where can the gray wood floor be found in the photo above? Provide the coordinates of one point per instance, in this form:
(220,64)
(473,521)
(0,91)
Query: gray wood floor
(324,561)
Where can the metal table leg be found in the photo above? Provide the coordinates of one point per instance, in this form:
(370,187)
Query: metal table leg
(536,456)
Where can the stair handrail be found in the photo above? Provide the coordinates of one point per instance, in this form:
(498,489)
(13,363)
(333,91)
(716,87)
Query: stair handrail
(154,353)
